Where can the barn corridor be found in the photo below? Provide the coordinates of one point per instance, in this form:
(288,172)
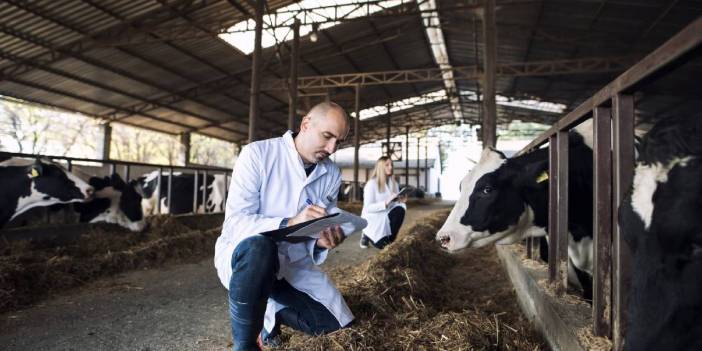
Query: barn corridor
(179,307)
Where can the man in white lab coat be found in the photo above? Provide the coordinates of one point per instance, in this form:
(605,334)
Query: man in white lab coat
(276,183)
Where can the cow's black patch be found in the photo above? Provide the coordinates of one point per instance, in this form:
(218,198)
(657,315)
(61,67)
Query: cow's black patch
(54,182)
(183,189)
(665,302)
(49,179)
(500,198)
(129,199)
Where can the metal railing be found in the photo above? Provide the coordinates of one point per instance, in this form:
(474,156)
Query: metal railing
(612,109)
(197,171)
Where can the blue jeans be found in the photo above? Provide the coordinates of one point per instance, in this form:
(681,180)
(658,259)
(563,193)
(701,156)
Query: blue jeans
(254,267)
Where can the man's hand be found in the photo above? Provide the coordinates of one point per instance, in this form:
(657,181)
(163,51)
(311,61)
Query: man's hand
(331,237)
(307,214)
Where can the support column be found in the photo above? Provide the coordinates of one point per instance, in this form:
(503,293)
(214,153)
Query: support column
(256,73)
(623,174)
(407,155)
(104,146)
(292,91)
(418,172)
(602,223)
(387,131)
(357,144)
(185,150)
(426,166)
(489,127)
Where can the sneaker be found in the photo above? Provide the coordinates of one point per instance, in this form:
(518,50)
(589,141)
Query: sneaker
(364,242)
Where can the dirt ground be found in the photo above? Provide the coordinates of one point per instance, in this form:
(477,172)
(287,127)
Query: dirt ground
(175,307)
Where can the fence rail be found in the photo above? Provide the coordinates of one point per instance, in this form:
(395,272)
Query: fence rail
(612,110)
(197,171)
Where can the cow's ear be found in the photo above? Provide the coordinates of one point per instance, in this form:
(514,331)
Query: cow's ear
(117,181)
(36,169)
(137,185)
(535,174)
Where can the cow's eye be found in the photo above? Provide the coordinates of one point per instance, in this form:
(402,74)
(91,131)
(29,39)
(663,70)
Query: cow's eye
(487,190)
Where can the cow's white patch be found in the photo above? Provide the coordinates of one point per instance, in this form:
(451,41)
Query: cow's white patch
(113,214)
(84,187)
(581,253)
(453,235)
(216,194)
(523,229)
(586,131)
(37,199)
(646,179)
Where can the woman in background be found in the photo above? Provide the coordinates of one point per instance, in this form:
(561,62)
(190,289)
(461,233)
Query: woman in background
(382,208)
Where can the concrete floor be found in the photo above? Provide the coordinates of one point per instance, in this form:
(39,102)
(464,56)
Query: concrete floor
(179,307)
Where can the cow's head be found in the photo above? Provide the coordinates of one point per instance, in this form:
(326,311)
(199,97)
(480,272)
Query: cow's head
(502,201)
(454,235)
(115,202)
(55,182)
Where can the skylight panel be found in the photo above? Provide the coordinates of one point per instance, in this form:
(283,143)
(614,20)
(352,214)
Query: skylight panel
(278,26)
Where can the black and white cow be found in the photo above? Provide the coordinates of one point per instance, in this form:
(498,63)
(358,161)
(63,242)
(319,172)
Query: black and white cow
(32,183)
(505,200)
(182,192)
(661,220)
(114,202)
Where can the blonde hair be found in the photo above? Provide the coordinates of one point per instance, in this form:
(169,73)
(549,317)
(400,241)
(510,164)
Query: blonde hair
(379,173)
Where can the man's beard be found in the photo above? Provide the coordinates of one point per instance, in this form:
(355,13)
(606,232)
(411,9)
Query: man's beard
(321,155)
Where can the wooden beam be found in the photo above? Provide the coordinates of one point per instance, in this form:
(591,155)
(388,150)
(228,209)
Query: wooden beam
(623,174)
(489,125)
(256,72)
(357,145)
(294,58)
(602,223)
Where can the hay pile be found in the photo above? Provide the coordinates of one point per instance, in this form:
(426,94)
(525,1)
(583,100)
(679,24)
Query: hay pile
(412,296)
(31,271)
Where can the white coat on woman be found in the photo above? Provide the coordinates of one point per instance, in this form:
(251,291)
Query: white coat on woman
(270,184)
(375,210)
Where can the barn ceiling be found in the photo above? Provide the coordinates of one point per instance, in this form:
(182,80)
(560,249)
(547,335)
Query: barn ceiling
(162,64)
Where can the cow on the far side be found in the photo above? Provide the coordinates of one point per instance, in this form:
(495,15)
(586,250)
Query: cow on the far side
(32,183)
(661,221)
(506,200)
(115,202)
(182,193)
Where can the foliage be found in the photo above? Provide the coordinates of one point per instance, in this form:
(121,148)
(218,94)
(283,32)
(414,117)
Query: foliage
(141,145)
(212,152)
(29,129)
(32,129)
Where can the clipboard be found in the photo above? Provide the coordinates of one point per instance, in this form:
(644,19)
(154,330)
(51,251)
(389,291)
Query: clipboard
(310,230)
(405,191)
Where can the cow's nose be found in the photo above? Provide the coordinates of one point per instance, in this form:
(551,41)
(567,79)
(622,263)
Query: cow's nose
(445,240)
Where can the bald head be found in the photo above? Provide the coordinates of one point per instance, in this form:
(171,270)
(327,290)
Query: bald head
(328,110)
(321,131)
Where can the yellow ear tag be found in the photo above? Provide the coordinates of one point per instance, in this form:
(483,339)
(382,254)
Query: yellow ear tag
(542,177)
(34,173)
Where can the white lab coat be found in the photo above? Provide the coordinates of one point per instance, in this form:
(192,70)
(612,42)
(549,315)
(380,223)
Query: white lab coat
(268,184)
(374,210)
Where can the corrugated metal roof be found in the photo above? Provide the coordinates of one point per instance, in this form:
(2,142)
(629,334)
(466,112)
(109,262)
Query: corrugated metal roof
(161,65)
